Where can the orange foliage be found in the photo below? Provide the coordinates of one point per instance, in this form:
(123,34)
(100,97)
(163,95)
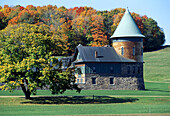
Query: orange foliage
(1,15)
(7,11)
(13,21)
(98,33)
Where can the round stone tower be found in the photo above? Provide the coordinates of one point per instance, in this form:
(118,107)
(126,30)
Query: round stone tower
(127,39)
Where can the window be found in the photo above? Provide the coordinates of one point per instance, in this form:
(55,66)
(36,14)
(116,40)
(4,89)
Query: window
(133,51)
(79,75)
(111,81)
(122,52)
(128,69)
(94,80)
(77,80)
(81,81)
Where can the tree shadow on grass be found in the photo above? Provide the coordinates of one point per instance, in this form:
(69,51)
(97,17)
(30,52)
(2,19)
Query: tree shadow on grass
(78,100)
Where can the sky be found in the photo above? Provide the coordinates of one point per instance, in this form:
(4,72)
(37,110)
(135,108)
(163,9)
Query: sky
(159,10)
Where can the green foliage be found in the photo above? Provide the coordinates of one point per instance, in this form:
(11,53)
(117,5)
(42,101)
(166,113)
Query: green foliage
(154,35)
(26,60)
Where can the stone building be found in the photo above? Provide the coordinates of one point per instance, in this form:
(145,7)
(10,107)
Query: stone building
(119,67)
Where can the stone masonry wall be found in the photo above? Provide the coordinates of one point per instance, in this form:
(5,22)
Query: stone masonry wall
(123,81)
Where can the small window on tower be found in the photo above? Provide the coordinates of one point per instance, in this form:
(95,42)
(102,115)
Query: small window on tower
(122,52)
(133,51)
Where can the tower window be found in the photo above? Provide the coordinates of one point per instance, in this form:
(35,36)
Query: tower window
(94,80)
(133,51)
(122,52)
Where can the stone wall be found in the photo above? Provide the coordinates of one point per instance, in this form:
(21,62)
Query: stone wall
(123,81)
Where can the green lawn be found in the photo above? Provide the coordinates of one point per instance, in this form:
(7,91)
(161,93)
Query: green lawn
(125,105)
(155,99)
(157,65)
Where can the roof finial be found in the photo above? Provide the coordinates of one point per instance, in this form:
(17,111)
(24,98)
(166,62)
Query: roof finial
(127,10)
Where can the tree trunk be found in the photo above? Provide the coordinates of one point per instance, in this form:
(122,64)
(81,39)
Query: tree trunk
(26,92)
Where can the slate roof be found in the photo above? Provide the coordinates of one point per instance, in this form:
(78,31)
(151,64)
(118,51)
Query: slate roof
(127,27)
(105,54)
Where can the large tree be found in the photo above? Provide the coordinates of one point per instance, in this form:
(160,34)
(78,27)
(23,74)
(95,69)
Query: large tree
(27,61)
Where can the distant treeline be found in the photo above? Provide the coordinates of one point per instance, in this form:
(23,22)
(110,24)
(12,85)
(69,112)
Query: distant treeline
(78,25)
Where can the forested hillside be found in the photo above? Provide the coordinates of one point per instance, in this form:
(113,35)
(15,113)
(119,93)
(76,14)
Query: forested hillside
(78,25)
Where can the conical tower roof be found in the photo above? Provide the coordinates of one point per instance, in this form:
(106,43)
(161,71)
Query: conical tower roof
(127,27)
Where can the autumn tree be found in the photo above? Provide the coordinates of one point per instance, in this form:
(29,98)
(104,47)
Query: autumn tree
(99,37)
(26,60)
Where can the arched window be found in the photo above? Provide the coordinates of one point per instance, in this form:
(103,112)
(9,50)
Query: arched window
(122,51)
(133,51)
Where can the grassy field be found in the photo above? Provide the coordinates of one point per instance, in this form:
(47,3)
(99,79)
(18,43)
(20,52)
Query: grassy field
(126,105)
(155,99)
(157,65)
